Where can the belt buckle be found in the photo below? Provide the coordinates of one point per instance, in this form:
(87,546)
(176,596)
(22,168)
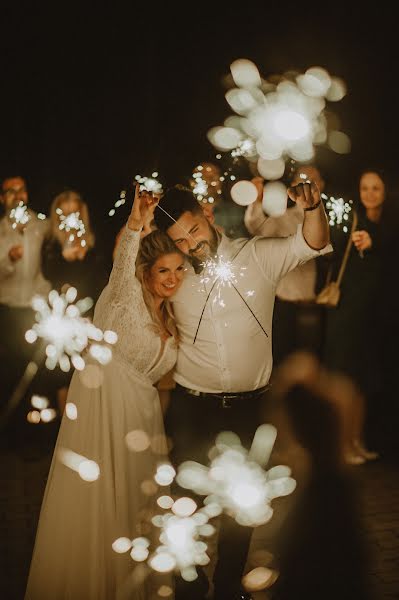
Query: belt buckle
(226,402)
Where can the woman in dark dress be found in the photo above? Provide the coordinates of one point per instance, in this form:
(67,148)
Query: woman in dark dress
(353,335)
(71,259)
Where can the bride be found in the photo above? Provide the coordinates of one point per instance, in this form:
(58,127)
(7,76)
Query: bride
(73,557)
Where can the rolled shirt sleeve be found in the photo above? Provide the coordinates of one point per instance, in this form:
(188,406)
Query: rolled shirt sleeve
(278,256)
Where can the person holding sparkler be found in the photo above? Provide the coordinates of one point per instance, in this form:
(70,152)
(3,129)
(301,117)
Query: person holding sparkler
(224,316)
(22,235)
(111,436)
(70,259)
(353,339)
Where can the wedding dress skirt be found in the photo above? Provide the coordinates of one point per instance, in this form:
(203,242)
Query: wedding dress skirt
(73,557)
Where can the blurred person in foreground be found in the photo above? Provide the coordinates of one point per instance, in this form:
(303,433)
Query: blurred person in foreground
(313,547)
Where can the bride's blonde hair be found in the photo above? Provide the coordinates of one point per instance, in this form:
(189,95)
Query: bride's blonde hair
(152,247)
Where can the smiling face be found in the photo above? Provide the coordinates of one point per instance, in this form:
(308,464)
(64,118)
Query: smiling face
(165,276)
(194,236)
(372,191)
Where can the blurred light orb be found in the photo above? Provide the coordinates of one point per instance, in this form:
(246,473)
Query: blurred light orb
(71,411)
(165,474)
(165,502)
(245,495)
(148,487)
(271,169)
(315,82)
(48,414)
(139,553)
(184,507)
(259,579)
(121,545)
(337,90)
(33,416)
(291,125)
(274,201)
(244,193)
(39,402)
(189,574)
(137,440)
(339,142)
(245,73)
(165,591)
(269,147)
(224,138)
(110,337)
(89,470)
(31,336)
(241,101)
(91,376)
(163,562)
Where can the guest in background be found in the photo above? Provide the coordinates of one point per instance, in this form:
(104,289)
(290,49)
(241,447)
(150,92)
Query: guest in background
(22,235)
(354,345)
(70,258)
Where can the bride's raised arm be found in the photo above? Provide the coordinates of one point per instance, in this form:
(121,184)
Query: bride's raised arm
(122,277)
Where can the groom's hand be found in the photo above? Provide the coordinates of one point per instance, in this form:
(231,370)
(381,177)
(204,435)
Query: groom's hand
(306,195)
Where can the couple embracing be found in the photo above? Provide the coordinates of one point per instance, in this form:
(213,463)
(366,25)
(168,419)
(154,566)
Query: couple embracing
(166,315)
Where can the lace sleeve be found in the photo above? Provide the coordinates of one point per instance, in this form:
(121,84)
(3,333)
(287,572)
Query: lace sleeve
(122,279)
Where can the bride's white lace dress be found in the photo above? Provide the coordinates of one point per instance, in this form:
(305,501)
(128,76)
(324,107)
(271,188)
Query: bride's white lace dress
(73,557)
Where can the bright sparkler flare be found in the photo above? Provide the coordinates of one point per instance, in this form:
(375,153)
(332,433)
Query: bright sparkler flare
(72,224)
(19,215)
(60,323)
(236,481)
(338,211)
(150,184)
(221,273)
(276,121)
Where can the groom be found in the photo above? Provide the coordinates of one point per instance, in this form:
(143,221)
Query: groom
(225,360)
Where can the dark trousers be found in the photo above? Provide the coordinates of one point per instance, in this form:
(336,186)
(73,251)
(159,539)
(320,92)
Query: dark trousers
(193,424)
(297,326)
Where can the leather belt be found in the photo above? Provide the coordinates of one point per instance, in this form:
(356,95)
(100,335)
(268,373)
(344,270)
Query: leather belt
(225,397)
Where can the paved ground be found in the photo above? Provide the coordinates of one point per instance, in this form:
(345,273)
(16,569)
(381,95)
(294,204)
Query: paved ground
(22,482)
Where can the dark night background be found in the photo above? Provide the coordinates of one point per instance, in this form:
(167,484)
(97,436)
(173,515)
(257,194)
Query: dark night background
(93,96)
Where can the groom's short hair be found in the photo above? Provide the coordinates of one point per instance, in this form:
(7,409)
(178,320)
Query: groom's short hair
(176,201)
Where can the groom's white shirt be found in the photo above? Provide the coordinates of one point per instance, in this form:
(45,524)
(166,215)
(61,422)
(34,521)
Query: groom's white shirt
(232,352)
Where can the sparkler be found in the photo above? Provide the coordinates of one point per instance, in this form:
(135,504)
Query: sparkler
(275,121)
(60,324)
(338,211)
(73,225)
(222,273)
(150,184)
(206,183)
(19,215)
(236,481)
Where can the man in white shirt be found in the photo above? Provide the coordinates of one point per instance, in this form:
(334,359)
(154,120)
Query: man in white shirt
(297,320)
(225,359)
(21,240)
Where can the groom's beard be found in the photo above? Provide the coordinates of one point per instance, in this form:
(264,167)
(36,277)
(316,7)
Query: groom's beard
(203,251)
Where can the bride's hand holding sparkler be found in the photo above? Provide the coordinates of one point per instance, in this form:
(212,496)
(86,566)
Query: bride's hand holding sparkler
(143,207)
